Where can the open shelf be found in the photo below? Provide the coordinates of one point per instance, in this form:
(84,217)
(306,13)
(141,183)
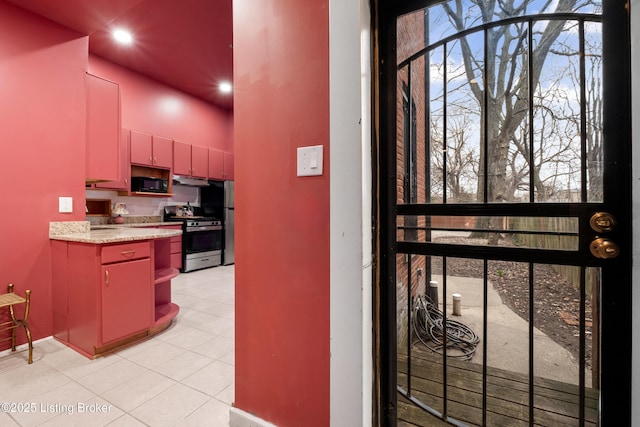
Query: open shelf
(166,312)
(98,207)
(164,274)
(149,194)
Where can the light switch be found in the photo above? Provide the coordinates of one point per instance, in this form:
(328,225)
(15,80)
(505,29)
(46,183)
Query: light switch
(65,204)
(310,160)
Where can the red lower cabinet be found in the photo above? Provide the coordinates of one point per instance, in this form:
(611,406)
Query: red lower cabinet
(175,247)
(109,295)
(126,289)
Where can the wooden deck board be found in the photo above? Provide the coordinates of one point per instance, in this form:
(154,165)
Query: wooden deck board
(555,403)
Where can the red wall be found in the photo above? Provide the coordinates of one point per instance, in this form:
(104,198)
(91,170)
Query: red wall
(155,108)
(42,152)
(281,79)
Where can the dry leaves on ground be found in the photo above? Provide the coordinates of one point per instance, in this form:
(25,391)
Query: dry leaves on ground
(556,302)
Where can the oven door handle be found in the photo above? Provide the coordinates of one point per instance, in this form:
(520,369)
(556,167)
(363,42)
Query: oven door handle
(204,228)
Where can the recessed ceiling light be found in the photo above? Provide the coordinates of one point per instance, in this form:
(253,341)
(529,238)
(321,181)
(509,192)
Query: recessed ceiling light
(225,87)
(123,36)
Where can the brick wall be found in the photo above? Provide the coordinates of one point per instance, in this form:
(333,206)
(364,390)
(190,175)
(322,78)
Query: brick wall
(411,123)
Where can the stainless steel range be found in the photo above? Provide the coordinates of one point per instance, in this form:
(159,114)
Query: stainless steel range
(202,240)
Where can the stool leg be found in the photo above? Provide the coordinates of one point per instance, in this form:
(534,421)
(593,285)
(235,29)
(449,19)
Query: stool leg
(22,322)
(28,333)
(13,319)
(26,325)
(13,338)
(16,323)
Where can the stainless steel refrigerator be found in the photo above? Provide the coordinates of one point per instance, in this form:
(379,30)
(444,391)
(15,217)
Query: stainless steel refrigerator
(229,234)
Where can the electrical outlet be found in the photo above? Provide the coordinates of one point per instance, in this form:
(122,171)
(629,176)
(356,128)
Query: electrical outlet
(65,204)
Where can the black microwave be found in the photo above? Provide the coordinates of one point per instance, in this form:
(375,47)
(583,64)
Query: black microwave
(149,184)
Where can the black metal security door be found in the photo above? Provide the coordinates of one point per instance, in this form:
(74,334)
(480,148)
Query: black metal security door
(504,175)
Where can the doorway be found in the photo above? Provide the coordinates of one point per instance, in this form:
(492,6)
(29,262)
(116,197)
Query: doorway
(504,182)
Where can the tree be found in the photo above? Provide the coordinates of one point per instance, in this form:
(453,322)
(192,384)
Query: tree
(507,81)
(457,159)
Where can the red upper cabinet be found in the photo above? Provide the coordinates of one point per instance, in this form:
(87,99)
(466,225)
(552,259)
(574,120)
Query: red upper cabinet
(216,164)
(190,160)
(103,130)
(150,150)
(181,158)
(141,151)
(220,165)
(199,161)
(123,183)
(162,152)
(228,166)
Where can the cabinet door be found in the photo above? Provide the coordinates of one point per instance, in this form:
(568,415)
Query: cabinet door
(228,167)
(162,152)
(199,162)
(216,168)
(103,130)
(126,299)
(125,166)
(141,153)
(181,158)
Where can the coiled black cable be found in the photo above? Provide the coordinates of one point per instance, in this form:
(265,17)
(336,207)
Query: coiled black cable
(460,340)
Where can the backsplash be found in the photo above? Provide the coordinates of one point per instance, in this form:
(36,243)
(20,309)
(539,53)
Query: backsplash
(65,227)
(128,219)
(147,206)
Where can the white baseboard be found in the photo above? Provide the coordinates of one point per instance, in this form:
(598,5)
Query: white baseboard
(239,418)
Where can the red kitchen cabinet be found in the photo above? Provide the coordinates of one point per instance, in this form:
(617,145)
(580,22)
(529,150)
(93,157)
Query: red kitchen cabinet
(126,289)
(181,158)
(151,150)
(60,294)
(220,165)
(175,245)
(141,148)
(199,161)
(162,152)
(108,292)
(125,169)
(190,160)
(103,130)
(164,309)
(109,295)
(228,166)
(216,164)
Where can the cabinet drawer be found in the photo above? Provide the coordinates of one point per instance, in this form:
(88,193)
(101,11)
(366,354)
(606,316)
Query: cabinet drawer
(176,261)
(176,247)
(126,252)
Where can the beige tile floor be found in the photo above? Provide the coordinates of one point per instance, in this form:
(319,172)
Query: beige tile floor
(181,377)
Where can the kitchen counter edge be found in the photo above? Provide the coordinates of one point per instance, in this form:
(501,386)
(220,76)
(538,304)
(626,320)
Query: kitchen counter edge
(80,231)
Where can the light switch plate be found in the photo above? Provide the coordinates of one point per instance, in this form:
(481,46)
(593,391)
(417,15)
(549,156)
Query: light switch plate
(310,160)
(65,204)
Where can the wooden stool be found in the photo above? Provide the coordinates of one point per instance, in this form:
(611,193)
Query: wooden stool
(9,300)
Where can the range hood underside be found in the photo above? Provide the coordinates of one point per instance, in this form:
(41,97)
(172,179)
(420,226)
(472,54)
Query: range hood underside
(191,182)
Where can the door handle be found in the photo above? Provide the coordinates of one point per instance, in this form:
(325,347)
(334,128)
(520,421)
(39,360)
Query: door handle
(602,222)
(604,248)
(106,277)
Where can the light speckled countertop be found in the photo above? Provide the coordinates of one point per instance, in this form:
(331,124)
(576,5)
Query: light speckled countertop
(80,231)
(130,225)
